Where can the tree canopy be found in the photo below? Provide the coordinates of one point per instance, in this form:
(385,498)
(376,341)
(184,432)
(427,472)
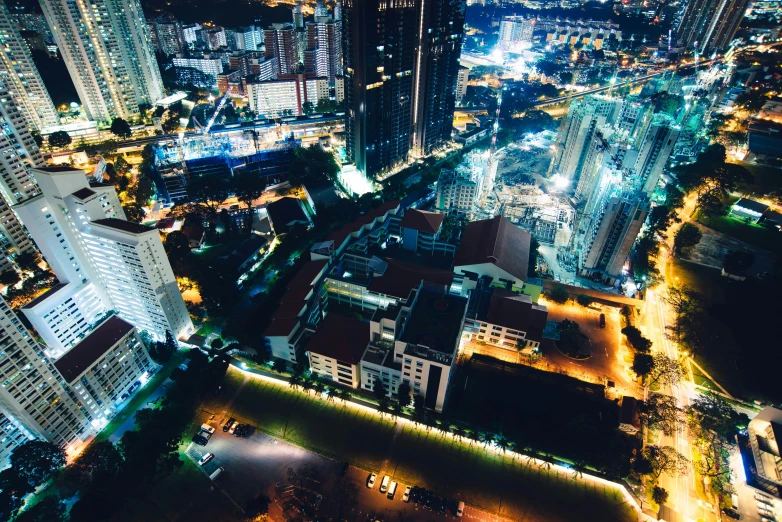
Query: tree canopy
(121,128)
(312,165)
(59,139)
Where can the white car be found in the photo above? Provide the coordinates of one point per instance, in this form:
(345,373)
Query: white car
(406,495)
(233,427)
(206,458)
(371,480)
(207,428)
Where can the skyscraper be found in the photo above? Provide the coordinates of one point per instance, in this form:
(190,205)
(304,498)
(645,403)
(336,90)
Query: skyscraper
(323,55)
(655,149)
(282,44)
(401,64)
(436,72)
(18,153)
(107,48)
(710,25)
(101,261)
(21,77)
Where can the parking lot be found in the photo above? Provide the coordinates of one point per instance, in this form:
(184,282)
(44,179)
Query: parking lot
(259,464)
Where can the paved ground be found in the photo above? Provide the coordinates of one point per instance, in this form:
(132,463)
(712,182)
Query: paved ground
(610,358)
(260,464)
(714,246)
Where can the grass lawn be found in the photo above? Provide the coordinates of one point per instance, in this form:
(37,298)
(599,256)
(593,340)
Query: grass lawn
(515,488)
(186,495)
(141,397)
(702,380)
(705,280)
(751,233)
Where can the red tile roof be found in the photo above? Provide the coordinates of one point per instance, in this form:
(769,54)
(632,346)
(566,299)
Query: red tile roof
(516,311)
(496,241)
(423,221)
(400,278)
(285,319)
(340,337)
(342,234)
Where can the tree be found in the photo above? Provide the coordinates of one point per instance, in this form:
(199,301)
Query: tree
(121,128)
(28,261)
(378,390)
(49,509)
(660,412)
(343,498)
(258,505)
(636,339)
(248,187)
(170,123)
(584,300)
(659,495)
(665,459)
(134,212)
(177,246)
(37,138)
(210,191)
(707,413)
(99,463)
(307,107)
(403,393)
(9,278)
(666,370)
(312,165)
(738,261)
(35,461)
(217,344)
(59,139)
(686,238)
(643,364)
(558,294)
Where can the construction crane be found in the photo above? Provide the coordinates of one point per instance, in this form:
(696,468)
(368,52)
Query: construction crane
(220,106)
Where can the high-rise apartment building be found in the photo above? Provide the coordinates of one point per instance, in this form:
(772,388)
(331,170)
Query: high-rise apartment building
(515,30)
(282,44)
(21,77)
(107,48)
(436,72)
(102,262)
(461,83)
(166,35)
(456,192)
(286,95)
(250,38)
(615,231)
(35,401)
(709,25)
(656,147)
(323,55)
(18,153)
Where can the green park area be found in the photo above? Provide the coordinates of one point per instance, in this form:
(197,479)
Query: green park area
(517,488)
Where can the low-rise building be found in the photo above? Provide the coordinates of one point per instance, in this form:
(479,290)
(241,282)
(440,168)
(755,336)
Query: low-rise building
(284,214)
(765,436)
(335,349)
(506,319)
(749,209)
(421,232)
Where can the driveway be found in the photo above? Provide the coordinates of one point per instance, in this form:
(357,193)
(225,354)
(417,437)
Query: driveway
(610,358)
(259,464)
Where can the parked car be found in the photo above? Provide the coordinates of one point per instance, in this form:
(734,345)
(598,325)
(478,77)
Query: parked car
(406,495)
(391,490)
(232,429)
(442,505)
(460,509)
(732,513)
(384,484)
(207,428)
(227,425)
(216,473)
(206,458)
(200,439)
(371,480)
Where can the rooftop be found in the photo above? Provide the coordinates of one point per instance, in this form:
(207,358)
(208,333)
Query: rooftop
(122,225)
(54,169)
(79,359)
(83,194)
(435,321)
(342,234)
(401,277)
(44,296)
(496,241)
(340,337)
(516,311)
(423,221)
(751,204)
(283,212)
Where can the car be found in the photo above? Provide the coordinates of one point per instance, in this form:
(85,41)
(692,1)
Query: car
(460,509)
(227,425)
(442,506)
(391,490)
(429,499)
(732,513)
(371,480)
(232,429)
(384,484)
(207,428)
(406,495)
(206,458)
(200,439)
(345,468)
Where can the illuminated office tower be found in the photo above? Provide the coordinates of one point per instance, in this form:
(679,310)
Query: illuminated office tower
(20,76)
(107,48)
